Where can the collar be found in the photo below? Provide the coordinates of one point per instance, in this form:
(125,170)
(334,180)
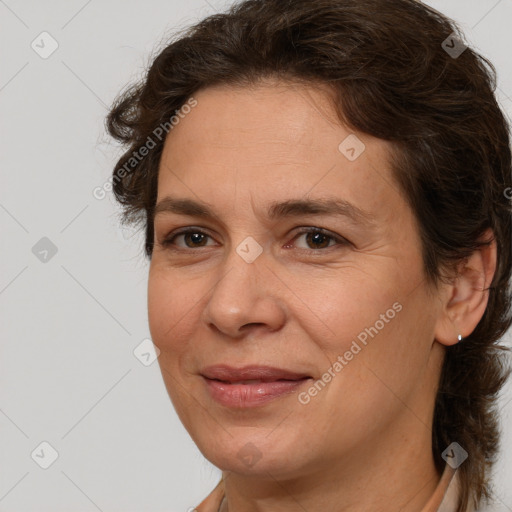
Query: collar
(444,499)
(446,495)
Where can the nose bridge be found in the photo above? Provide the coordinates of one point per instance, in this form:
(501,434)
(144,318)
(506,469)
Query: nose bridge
(240,274)
(241,295)
(245,261)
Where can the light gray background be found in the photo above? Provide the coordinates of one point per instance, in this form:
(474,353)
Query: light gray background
(68,375)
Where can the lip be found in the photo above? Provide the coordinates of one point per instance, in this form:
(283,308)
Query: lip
(231,374)
(229,387)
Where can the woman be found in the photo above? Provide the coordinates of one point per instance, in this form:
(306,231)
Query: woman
(323,188)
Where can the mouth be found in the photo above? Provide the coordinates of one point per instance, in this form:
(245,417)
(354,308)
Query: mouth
(250,386)
(251,374)
(255,381)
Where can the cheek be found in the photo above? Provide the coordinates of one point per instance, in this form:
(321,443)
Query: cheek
(353,306)
(170,315)
(170,310)
(383,365)
(377,331)
(159,307)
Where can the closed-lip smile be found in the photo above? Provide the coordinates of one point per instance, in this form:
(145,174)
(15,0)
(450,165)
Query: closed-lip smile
(231,374)
(250,386)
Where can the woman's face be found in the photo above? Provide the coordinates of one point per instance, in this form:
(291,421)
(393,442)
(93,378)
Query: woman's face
(347,307)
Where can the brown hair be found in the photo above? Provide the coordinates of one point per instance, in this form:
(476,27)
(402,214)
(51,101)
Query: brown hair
(393,76)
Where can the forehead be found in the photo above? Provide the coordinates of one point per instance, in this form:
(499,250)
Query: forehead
(273,139)
(270,113)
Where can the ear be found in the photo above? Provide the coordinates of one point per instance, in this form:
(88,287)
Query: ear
(465,299)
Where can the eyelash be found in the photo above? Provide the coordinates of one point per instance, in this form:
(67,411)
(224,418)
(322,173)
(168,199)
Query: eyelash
(168,242)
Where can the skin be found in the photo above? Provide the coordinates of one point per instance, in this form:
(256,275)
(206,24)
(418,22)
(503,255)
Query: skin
(364,442)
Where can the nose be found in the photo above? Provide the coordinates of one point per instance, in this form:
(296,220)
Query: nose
(245,298)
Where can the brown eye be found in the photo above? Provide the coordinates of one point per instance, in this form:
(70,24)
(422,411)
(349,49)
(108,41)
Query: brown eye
(192,238)
(316,238)
(195,239)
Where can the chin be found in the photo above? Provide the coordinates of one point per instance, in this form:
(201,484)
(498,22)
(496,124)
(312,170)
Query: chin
(236,450)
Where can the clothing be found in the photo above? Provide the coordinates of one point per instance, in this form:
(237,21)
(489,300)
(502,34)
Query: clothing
(444,498)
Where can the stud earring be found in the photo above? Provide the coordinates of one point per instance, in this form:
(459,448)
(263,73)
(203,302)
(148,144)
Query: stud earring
(460,337)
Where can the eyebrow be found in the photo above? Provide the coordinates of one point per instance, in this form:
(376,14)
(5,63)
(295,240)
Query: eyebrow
(276,210)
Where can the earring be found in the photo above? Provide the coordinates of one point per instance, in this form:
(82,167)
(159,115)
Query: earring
(460,337)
